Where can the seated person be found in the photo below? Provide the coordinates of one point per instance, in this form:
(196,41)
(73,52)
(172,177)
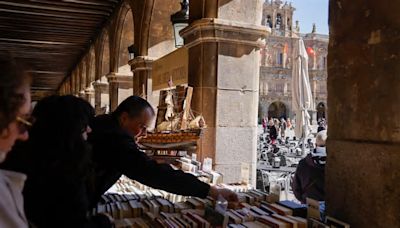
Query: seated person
(321,125)
(15,107)
(57,160)
(309,179)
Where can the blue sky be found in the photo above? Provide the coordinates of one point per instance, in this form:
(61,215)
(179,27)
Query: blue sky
(311,11)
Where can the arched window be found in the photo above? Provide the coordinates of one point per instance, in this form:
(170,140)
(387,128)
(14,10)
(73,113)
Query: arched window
(268,21)
(279,58)
(277,110)
(280,88)
(278,21)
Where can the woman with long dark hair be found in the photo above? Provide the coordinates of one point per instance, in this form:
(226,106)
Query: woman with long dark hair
(58,164)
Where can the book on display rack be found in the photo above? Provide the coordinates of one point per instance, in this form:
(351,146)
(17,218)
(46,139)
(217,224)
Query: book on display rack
(140,206)
(136,205)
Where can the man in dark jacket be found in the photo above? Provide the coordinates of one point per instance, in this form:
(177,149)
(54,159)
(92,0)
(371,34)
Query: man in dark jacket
(115,152)
(309,179)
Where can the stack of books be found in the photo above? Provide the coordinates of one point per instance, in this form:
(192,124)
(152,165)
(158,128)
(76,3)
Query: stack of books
(254,209)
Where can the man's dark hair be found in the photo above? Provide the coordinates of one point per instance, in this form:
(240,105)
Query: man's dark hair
(134,106)
(12,79)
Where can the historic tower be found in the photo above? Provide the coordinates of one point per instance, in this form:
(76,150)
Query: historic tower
(278,17)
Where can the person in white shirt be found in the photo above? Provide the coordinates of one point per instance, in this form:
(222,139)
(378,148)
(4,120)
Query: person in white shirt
(15,108)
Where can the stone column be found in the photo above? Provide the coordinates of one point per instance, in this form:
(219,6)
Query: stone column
(363,171)
(120,87)
(314,60)
(141,67)
(81,94)
(314,120)
(101,97)
(224,71)
(89,94)
(284,58)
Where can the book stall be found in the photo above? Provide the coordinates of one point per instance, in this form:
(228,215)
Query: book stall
(174,141)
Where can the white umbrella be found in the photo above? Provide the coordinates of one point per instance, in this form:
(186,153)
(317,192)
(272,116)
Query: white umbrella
(302,100)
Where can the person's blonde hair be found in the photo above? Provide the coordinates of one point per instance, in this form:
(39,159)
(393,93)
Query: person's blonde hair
(320,140)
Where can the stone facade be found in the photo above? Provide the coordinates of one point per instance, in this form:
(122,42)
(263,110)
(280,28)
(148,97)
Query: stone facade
(223,70)
(276,59)
(363,172)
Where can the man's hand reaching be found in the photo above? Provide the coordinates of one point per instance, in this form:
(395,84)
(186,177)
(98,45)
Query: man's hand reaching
(229,195)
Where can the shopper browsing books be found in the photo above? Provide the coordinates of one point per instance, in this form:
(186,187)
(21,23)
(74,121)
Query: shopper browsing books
(57,161)
(15,103)
(115,152)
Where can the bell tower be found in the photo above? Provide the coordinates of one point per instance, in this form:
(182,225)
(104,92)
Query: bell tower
(278,16)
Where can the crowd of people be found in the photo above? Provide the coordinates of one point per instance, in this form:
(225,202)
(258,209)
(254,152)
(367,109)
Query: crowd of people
(67,157)
(276,127)
(308,180)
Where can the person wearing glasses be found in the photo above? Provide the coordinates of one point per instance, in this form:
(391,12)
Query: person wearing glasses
(57,160)
(309,179)
(115,152)
(15,108)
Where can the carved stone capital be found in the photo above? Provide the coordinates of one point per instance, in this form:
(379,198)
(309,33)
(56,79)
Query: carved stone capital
(89,90)
(121,81)
(219,30)
(141,63)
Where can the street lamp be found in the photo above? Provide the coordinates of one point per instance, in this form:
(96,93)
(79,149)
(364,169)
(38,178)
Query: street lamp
(132,52)
(179,21)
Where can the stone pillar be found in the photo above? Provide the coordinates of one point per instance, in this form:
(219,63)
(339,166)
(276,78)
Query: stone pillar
(224,71)
(314,120)
(141,67)
(314,85)
(101,97)
(81,94)
(363,171)
(120,87)
(89,94)
(314,60)
(284,58)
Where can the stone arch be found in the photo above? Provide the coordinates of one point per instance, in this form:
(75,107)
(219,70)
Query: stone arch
(277,54)
(82,78)
(278,110)
(116,34)
(91,67)
(155,32)
(278,46)
(77,79)
(321,110)
(126,39)
(72,81)
(103,55)
(160,38)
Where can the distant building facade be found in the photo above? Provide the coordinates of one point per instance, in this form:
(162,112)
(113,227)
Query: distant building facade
(276,63)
